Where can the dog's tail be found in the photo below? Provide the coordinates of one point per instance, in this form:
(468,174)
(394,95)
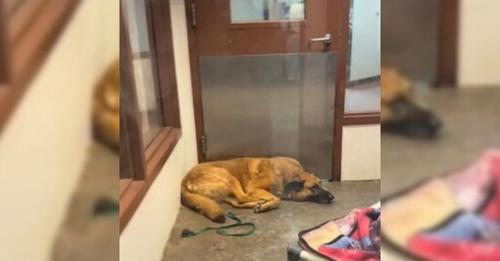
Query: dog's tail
(202,204)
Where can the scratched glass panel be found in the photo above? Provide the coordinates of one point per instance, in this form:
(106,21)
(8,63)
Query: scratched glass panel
(270,105)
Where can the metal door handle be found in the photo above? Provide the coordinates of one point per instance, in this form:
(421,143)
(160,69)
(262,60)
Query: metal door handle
(327,39)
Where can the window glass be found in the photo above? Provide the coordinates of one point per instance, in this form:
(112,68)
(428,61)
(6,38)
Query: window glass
(363,90)
(145,76)
(243,11)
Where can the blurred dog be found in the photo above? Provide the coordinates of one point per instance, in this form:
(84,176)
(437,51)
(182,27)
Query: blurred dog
(106,108)
(258,183)
(399,113)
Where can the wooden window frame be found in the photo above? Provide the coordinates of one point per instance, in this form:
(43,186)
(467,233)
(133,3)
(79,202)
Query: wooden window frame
(140,165)
(361,118)
(26,38)
(449,20)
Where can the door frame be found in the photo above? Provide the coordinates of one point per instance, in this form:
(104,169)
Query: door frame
(340,84)
(449,17)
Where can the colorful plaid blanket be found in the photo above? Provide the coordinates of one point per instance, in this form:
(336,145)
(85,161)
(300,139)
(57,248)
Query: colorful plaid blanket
(354,237)
(452,217)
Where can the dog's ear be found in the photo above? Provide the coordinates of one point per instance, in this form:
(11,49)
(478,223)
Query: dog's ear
(294,186)
(309,178)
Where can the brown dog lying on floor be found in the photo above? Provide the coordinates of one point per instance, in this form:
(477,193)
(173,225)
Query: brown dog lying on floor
(399,113)
(258,183)
(106,108)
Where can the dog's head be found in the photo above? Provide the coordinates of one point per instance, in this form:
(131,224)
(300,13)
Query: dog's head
(308,188)
(399,113)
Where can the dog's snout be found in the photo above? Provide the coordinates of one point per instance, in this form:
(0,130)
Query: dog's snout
(330,198)
(321,195)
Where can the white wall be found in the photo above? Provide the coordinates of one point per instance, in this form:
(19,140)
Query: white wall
(361,152)
(365,41)
(45,143)
(147,232)
(479,43)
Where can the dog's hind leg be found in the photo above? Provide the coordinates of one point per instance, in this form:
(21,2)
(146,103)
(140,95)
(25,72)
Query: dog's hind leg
(271,201)
(240,195)
(244,201)
(204,205)
(234,202)
(235,187)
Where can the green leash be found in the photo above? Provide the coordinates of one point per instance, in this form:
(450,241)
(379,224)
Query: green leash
(222,230)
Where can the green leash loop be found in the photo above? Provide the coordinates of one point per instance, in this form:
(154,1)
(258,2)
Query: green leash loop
(222,230)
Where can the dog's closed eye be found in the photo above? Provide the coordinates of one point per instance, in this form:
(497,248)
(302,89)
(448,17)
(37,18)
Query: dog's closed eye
(294,186)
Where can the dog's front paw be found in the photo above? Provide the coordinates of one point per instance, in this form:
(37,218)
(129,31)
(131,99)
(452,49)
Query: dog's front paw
(258,208)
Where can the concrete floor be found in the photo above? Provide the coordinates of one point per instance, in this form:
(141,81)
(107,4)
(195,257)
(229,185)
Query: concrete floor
(276,229)
(85,236)
(471,119)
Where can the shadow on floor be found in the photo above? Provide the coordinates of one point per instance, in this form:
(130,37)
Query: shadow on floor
(276,229)
(90,230)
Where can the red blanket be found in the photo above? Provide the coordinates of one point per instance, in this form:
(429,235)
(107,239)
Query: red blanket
(354,237)
(453,217)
